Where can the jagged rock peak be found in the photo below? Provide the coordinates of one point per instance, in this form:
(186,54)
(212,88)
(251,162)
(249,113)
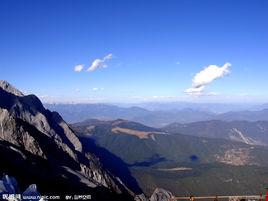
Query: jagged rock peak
(161,195)
(9,185)
(9,88)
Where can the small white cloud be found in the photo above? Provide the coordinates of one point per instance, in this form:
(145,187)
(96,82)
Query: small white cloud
(99,63)
(178,63)
(162,97)
(207,76)
(200,92)
(195,91)
(78,68)
(97,89)
(43,96)
(109,56)
(212,94)
(77,90)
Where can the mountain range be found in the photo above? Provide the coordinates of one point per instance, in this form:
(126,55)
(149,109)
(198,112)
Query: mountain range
(156,117)
(123,159)
(182,164)
(252,133)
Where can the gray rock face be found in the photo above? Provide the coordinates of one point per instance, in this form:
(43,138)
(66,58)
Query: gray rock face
(9,185)
(158,195)
(9,88)
(30,128)
(161,195)
(30,109)
(140,197)
(31,191)
(12,132)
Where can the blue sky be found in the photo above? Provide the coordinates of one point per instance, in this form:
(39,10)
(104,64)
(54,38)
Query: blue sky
(157,48)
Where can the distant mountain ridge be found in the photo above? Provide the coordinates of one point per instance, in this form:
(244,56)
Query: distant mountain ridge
(156,118)
(216,108)
(260,115)
(252,133)
(79,112)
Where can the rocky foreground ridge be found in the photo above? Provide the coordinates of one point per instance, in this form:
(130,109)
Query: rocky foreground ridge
(38,146)
(38,143)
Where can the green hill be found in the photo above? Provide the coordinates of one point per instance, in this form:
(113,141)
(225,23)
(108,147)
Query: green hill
(179,163)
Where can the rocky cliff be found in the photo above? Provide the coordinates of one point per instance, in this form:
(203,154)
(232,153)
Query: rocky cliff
(37,146)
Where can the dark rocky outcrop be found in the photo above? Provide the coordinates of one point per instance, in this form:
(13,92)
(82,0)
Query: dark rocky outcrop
(9,186)
(161,195)
(158,195)
(37,146)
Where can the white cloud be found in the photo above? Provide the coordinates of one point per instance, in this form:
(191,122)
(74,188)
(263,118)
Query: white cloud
(109,56)
(78,68)
(196,91)
(43,96)
(212,94)
(207,76)
(200,92)
(162,97)
(100,63)
(97,89)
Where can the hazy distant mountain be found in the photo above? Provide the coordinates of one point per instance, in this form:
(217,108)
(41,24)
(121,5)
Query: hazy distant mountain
(260,115)
(179,163)
(259,107)
(155,118)
(80,112)
(206,107)
(162,118)
(242,131)
(37,146)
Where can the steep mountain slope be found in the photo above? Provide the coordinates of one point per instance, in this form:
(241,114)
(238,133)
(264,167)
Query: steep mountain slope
(242,131)
(37,146)
(179,163)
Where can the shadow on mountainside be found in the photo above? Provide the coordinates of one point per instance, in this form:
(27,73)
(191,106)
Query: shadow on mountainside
(51,179)
(112,163)
(155,159)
